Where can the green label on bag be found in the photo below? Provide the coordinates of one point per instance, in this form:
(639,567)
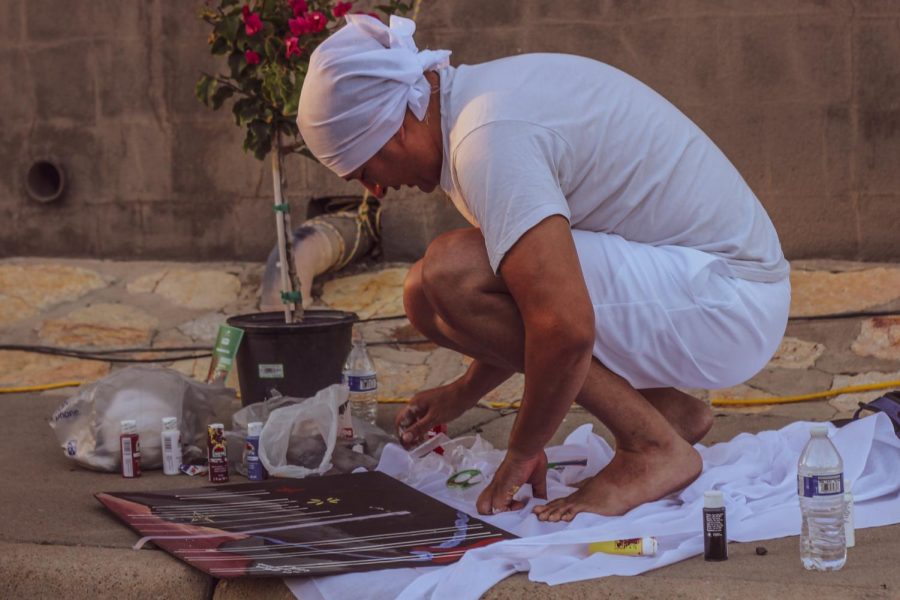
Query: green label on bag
(271,371)
(224,351)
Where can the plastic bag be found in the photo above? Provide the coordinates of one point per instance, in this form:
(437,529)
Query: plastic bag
(299,439)
(88,424)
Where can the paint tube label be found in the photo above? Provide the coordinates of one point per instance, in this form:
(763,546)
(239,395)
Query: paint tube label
(218,470)
(821,485)
(130,446)
(255,469)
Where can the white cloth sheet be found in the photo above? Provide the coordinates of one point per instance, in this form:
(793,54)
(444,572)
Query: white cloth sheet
(756,473)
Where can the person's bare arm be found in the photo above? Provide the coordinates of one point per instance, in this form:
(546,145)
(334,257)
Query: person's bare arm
(543,275)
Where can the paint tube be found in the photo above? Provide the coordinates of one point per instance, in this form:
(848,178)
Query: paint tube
(715,535)
(217,458)
(170,438)
(255,469)
(130,447)
(643,546)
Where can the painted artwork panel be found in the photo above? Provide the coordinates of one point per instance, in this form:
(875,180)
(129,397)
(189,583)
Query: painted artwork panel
(314,526)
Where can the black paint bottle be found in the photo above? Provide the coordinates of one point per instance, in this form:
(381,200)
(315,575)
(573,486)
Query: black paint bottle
(715,538)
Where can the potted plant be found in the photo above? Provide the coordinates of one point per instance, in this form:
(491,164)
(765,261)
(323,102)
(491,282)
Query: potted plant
(266,46)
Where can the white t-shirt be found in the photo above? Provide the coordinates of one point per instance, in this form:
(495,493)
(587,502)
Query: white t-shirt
(536,135)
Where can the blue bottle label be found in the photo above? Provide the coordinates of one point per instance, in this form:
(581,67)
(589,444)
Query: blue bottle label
(255,469)
(821,485)
(362,383)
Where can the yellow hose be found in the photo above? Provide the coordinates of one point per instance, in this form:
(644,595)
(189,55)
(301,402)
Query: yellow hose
(804,397)
(40,388)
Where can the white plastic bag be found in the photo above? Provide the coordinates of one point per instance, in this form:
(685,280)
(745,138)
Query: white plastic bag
(88,424)
(299,440)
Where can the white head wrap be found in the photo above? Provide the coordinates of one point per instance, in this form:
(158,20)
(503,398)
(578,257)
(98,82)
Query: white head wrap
(359,84)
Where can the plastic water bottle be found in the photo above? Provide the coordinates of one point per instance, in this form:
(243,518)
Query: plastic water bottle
(820,484)
(359,376)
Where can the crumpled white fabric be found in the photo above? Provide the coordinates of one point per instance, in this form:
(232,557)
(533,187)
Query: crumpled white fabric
(756,473)
(360,82)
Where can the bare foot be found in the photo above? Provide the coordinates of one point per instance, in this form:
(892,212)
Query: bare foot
(691,417)
(629,480)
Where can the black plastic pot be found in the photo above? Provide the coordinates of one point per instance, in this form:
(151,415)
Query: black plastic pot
(296,359)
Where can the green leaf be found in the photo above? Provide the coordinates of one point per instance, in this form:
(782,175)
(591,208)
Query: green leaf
(220,95)
(236,62)
(203,88)
(220,46)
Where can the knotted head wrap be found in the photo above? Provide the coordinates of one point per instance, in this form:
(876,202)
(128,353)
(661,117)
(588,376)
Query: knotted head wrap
(360,82)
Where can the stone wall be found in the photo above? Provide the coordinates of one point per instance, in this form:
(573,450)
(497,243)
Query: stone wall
(802,95)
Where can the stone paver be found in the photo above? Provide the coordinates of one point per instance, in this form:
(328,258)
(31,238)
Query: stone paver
(368,294)
(879,337)
(821,292)
(26,289)
(100,325)
(202,289)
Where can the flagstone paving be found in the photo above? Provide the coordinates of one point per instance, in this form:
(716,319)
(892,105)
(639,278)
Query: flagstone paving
(92,304)
(103,304)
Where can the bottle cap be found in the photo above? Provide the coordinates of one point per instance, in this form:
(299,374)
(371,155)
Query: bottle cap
(129,426)
(215,426)
(169,423)
(649,546)
(818,431)
(713,499)
(254,429)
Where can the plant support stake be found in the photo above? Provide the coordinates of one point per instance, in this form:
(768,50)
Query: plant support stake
(293,312)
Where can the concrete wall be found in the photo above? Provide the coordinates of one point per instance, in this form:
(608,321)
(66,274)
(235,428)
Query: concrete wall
(802,95)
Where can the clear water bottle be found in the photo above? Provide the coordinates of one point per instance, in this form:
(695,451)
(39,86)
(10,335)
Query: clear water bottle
(820,484)
(359,376)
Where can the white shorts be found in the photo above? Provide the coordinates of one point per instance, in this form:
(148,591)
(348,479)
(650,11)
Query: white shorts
(669,316)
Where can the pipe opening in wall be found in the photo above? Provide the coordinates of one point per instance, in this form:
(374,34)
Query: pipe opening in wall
(45,181)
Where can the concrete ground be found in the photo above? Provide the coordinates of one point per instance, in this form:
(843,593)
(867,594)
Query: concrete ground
(57,540)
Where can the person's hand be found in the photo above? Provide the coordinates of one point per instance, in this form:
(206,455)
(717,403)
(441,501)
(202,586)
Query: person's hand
(429,408)
(514,472)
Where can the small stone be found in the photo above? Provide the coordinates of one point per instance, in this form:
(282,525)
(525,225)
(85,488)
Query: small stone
(796,354)
(761,550)
(32,369)
(377,294)
(203,329)
(820,292)
(201,290)
(100,325)
(26,289)
(848,403)
(879,337)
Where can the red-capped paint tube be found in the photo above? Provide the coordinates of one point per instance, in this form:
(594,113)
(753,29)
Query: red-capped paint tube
(130,447)
(215,453)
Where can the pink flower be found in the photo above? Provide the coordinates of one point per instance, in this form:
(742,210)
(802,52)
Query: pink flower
(251,57)
(299,7)
(299,26)
(313,22)
(252,22)
(341,8)
(316,21)
(292,47)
